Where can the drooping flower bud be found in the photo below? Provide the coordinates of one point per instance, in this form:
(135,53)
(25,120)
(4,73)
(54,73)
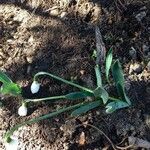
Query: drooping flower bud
(35,87)
(12,143)
(22,111)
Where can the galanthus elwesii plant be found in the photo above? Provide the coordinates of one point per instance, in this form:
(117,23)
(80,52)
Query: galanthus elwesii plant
(99,95)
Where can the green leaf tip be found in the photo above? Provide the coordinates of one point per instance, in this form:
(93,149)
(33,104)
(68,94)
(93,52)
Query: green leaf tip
(100,92)
(108,63)
(4,78)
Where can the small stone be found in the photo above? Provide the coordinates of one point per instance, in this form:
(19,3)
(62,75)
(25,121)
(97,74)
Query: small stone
(30,59)
(147,118)
(140,16)
(148,66)
(137,68)
(10,41)
(29,69)
(63,14)
(54,12)
(31,39)
(133,53)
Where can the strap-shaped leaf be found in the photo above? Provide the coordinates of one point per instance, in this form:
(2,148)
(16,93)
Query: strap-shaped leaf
(118,73)
(86,108)
(10,88)
(4,78)
(119,80)
(98,75)
(109,58)
(100,92)
(78,95)
(113,106)
(122,94)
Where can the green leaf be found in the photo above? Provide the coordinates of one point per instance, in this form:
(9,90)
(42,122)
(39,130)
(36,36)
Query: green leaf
(118,73)
(98,76)
(113,106)
(4,78)
(122,94)
(109,58)
(78,95)
(100,92)
(85,108)
(119,80)
(10,88)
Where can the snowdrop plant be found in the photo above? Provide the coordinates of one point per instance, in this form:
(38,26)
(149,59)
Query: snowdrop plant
(99,95)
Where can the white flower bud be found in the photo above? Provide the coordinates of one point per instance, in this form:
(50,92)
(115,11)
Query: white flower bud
(22,111)
(35,87)
(12,144)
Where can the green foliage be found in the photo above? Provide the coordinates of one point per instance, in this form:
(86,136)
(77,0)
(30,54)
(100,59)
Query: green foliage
(113,106)
(4,78)
(85,108)
(99,96)
(8,87)
(119,81)
(100,92)
(118,73)
(109,58)
(78,95)
(98,76)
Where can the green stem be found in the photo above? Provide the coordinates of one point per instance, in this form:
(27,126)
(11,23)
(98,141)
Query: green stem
(63,80)
(11,131)
(114,99)
(98,75)
(44,99)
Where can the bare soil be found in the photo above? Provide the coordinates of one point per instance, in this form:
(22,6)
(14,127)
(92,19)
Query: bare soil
(59,37)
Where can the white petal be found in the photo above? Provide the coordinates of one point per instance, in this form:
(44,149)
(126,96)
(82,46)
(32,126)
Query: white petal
(13,144)
(35,87)
(22,111)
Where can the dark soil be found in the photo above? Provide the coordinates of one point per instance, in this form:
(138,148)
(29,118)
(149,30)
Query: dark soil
(59,37)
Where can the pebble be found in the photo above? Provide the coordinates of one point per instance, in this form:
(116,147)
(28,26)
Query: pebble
(133,53)
(54,12)
(140,16)
(31,39)
(148,66)
(147,118)
(29,69)
(29,59)
(63,14)
(136,67)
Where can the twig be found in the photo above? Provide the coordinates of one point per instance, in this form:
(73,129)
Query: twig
(124,148)
(115,147)
(100,131)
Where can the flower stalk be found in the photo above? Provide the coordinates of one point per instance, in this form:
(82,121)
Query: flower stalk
(62,80)
(44,99)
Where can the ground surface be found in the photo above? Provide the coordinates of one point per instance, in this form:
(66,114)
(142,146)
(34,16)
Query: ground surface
(59,37)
